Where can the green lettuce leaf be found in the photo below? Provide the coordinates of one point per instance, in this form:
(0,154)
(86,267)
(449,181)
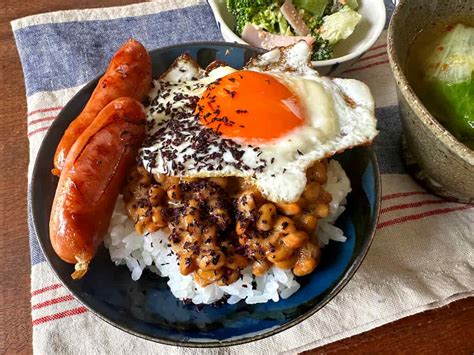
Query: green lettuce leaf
(449,94)
(339,25)
(315,7)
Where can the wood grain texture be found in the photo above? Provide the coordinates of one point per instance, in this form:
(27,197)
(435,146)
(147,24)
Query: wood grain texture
(446,330)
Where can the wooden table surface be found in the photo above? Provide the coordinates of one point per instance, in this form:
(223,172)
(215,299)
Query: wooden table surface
(446,330)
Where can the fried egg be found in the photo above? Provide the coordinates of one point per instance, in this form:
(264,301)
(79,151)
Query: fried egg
(268,122)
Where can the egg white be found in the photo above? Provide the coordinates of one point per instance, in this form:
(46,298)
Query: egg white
(339,115)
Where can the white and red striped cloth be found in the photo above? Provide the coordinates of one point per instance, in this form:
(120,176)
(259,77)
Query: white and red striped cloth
(422,255)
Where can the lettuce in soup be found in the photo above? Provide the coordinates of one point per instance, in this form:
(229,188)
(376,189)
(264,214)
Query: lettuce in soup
(440,68)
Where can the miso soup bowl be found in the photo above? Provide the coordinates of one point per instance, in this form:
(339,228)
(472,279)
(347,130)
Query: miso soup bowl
(432,154)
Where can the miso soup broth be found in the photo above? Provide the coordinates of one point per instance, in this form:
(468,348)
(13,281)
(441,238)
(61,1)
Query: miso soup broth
(440,69)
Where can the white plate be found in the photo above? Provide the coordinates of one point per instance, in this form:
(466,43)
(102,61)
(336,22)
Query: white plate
(346,52)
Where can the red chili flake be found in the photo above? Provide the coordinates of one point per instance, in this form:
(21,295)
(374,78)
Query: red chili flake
(440,48)
(449,28)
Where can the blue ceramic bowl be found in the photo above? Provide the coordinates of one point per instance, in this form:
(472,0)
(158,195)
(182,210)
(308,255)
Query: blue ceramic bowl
(147,308)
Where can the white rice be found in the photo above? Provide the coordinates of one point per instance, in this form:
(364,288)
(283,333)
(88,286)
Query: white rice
(151,251)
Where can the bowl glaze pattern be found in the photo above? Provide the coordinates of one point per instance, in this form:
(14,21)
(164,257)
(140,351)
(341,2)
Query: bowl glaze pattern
(147,308)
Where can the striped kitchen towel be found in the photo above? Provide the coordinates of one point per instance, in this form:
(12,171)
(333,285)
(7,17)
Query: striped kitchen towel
(422,254)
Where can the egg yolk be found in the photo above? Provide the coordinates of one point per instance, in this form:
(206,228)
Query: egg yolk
(250,105)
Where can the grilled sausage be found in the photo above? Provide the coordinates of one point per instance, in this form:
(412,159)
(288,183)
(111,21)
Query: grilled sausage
(128,75)
(91,179)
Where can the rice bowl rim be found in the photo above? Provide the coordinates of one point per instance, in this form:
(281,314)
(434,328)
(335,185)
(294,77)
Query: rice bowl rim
(40,168)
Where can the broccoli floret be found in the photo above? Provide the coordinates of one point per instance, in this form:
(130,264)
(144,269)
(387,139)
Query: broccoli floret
(322,50)
(272,20)
(313,22)
(263,13)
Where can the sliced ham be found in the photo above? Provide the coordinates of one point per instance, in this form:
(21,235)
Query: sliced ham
(257,37)
(294,19)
